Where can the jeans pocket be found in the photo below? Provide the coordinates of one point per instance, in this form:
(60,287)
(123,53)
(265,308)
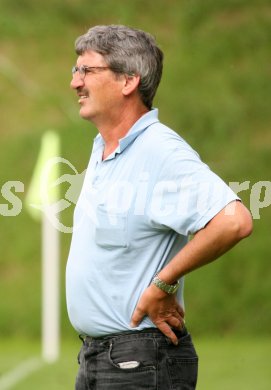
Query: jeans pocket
(183,372)
(128,369)
(132,356)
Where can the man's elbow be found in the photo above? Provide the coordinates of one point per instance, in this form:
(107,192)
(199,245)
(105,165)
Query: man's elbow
(246,228)
(244,223)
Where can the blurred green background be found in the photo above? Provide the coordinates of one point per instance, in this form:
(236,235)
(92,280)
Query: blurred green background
(215,92)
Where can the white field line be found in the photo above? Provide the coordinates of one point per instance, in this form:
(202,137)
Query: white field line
(11,378)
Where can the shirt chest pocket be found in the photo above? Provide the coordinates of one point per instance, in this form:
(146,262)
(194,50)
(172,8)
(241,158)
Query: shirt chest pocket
(111,228)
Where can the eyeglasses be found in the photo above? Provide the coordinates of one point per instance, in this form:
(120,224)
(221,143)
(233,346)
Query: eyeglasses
(83,70)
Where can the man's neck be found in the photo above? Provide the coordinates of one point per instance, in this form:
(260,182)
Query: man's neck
(112,131)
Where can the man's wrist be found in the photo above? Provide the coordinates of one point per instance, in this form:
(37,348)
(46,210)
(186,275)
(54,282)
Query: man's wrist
(167,288)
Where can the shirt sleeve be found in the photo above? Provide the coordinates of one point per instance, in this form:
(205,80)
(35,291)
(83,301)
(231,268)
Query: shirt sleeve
(187,194)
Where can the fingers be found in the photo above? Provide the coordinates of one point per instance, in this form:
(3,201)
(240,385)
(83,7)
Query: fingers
(176,316)
(137,317)
(168,332)
(177,323)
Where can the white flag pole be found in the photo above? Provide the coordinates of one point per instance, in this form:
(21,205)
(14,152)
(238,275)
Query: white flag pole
(50,291)
(43,195)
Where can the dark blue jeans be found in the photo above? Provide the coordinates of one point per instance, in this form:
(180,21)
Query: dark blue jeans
(137,360)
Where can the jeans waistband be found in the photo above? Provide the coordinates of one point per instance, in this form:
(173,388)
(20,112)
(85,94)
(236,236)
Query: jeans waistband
(155,332)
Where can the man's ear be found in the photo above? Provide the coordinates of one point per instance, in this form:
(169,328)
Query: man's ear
(131,84)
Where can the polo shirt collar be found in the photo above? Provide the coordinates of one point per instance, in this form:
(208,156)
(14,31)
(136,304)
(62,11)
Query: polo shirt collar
(138,127)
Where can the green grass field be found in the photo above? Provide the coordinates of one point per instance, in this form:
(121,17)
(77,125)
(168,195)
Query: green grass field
(225,364)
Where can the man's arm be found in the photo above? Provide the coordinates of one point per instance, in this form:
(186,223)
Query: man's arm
(226,229)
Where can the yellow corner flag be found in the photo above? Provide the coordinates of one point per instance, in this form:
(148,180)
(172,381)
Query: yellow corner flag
(42,192)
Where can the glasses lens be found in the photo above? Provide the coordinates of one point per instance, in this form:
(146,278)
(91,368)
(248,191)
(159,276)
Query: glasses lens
(80,69)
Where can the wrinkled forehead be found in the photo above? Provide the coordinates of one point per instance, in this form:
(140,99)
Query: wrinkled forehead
(90,58)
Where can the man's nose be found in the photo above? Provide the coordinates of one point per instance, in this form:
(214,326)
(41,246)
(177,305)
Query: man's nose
(76,82)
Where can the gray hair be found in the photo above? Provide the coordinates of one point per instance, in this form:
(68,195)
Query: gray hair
(127,50)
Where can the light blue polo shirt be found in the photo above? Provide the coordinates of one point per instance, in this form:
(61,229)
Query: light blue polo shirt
(135,212)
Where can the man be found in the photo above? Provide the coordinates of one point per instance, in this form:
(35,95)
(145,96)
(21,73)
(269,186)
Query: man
(145,191)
